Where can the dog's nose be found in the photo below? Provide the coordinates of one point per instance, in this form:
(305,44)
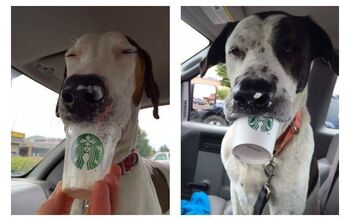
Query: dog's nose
(254,93)
(84,95)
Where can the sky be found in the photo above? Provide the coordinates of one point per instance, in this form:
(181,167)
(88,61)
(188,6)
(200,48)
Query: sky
(33,113)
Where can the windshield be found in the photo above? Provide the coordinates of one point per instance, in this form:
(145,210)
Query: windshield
(192,41)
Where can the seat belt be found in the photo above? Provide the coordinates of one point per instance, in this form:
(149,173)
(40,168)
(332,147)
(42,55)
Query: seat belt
(324,190)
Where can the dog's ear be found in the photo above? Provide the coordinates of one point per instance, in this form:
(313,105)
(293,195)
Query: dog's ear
(151,87)
(64,77)
(321,45)
(216,53)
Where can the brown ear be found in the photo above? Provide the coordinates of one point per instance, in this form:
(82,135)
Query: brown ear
(64,77)
(151,87)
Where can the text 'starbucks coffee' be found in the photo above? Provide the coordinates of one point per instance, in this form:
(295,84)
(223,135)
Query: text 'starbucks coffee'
(254,139)
(88,157)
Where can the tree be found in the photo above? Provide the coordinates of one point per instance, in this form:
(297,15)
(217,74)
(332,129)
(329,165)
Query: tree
(222,92)
(222,72)
(164,148)
(142,144)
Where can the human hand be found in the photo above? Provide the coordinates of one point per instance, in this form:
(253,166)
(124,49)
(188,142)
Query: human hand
(104,197)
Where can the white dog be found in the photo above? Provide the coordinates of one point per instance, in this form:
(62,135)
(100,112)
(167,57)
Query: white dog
(270,54)
(105,78)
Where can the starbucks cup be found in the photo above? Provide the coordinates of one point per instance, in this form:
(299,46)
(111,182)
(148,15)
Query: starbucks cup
(88,156)
(254,139)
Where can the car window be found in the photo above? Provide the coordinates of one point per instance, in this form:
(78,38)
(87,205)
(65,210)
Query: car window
(332,120)
(35,127)
(192,41)
(208,94)
(152,137)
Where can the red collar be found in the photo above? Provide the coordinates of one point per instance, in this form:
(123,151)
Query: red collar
(292,130)
(129,162)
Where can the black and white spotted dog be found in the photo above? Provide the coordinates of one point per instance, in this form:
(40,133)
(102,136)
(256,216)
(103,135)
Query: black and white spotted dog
(270,53)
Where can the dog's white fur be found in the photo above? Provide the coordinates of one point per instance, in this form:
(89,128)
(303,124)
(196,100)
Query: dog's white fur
(290,184)
(102,54)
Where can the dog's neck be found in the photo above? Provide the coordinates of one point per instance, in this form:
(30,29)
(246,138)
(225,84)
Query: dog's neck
(127,141)
(299,105)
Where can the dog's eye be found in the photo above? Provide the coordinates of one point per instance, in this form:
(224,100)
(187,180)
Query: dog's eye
(127,51)
(287,47)
(235,51)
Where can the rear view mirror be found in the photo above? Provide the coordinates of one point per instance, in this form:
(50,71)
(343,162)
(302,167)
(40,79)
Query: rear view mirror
(203,96)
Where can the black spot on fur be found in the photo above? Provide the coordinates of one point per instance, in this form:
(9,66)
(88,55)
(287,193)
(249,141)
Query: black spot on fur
(274,78)
(242,55)
(262,50)
(252,45)
(264,69)
(241,38)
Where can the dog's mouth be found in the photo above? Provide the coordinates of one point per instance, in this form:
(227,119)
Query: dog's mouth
(103,114)
(257,96)
(280,109)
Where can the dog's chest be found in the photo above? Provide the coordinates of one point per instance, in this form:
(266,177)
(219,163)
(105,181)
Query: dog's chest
(289,185)
(137,194)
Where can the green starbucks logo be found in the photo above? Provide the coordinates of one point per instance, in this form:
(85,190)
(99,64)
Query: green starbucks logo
(87,151)
(264,122)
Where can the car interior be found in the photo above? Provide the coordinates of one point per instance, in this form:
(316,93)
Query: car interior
(201,166)
(41,35)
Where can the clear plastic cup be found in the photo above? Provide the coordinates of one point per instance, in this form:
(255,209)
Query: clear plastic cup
(254,139)
(88,156)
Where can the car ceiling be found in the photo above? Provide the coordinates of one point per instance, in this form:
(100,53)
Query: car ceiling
(326,16)
(40,35)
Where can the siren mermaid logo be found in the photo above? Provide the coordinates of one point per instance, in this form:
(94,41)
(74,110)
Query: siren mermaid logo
(265,123)
(87,151)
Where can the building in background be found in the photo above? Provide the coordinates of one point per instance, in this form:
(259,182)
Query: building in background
(34,146)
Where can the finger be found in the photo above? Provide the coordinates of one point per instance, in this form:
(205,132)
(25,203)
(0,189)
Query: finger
(116,170)
(57,203)
(100,199)
(113,185)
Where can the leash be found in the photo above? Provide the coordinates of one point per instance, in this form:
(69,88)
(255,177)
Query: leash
(265,192)
(269,167)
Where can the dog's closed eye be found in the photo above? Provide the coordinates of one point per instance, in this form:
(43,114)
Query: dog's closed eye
(128,51)
(71,55)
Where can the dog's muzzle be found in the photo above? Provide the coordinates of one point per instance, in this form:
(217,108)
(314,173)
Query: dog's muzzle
(84,96)
(253,94)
